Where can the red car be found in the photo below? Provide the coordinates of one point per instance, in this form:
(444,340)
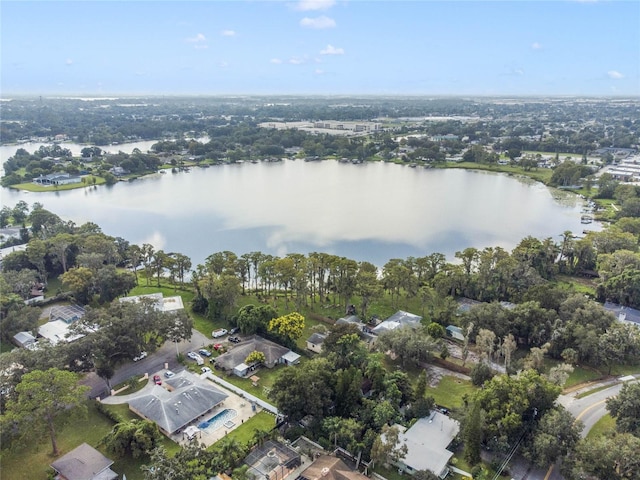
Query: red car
(217,346)
(157,380)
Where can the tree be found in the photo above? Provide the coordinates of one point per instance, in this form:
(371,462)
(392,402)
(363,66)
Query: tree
(367,286)
(409,345)
(480,373)
(289,326)
(511,401)
(44,397)
(554,437)
(387,448)
(485,340)
(59,246)
(255,319)
(625,408)
(472,434)
(79,280)
(134,437)
(613,458)
(255,358)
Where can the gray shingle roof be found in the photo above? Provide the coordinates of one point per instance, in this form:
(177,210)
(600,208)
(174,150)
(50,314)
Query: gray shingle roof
(272,352)
(317,338)
(84,463)
(191,398)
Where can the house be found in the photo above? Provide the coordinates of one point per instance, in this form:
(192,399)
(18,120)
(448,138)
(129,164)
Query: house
(455,332)
(169,304)
(326,467)
(427,441)
(365,331)
(24,339)
(84,463)
(233,360)
(315,341)
(57,329)
(623,314)
(182,400)
(272,461)
(398,319)
(58,178)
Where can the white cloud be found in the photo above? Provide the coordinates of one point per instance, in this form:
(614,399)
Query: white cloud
(318,22)
(536,46)
(331,50)
(68,62)
(319,71)
(277,61)
(306,5)
(199,38)
(616,75)
(228,33)
(223,64)
(296,61)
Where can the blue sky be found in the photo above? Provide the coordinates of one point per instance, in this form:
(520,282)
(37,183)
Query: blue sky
(327,47)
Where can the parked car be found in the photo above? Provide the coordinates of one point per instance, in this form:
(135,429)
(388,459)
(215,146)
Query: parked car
(234,339)
(234,330)
(192,355)
(217,346)
(140,356)
(169,374)
(205,370)
(157,380)
(204,352)
(221,332)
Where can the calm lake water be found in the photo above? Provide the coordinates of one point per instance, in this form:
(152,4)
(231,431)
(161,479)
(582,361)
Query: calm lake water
(373,211)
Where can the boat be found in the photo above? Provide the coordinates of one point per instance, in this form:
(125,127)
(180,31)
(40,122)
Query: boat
(586,219)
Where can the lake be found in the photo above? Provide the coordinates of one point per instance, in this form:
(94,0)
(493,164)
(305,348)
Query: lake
(373,211)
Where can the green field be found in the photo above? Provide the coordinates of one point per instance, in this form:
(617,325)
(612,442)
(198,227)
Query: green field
(32,187)
(450,391)
(606,425)
(539,174)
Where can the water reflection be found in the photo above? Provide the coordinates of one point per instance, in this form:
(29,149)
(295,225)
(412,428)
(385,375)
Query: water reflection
(368,212)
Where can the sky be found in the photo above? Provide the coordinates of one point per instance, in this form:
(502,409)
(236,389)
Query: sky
(320,47)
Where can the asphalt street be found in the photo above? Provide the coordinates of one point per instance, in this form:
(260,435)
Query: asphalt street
(155,361)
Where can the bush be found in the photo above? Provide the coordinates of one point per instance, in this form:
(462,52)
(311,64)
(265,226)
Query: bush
(480,373)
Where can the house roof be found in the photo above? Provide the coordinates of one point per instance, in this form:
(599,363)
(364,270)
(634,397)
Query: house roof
(354,319)
(624,314)
(326,467)
(269,457)
(24,338)
(84,463)
(398,319)
(272,352)
(317,338)
(57,331)
(169,304)
(427,441)
(291,357)
(66,313)
(172,410)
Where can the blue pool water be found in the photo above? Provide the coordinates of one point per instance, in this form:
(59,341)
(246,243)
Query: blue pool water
(218,419)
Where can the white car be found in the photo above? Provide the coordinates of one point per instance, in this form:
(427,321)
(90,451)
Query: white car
(205,370)
(221,332)
(192,355)
(140,356)
(169,374)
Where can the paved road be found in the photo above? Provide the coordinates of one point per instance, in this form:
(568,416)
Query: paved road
(153,363)
(588,410)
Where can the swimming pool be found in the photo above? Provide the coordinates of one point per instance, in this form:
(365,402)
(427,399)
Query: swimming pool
(218,419)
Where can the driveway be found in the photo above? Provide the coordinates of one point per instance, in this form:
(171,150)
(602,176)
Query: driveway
(154,362)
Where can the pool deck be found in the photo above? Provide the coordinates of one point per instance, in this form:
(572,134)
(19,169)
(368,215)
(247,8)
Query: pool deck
(209,436)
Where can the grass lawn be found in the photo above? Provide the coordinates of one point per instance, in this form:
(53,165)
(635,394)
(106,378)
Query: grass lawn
(593,390)
(267,378)
(576,284)
(90,430)
(604,426)
(450,390)
(539,174)
(244,432)
(54,286)
(32,187)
